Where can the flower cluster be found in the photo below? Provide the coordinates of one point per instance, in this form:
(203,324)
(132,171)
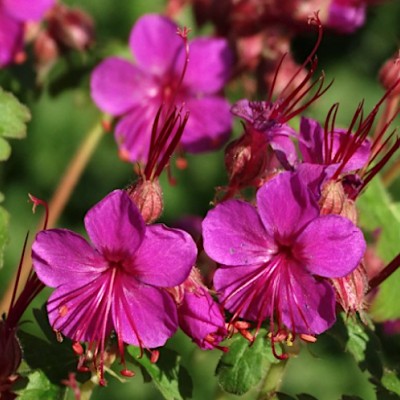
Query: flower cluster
(280,249)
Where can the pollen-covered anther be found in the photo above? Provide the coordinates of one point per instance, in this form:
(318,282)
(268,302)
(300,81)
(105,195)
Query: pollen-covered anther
(127,373)
(77,348)
(308,338)
(154,355)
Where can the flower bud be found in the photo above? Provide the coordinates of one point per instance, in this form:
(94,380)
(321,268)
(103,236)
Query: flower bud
(71,27)
(10,359)
(390,73)
(351,290)
(148,197)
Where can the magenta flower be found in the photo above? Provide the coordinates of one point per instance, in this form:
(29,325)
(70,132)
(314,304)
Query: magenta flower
(275,258)
(13,15)
(118,282)
(346,16)
(200,317)
(134,92)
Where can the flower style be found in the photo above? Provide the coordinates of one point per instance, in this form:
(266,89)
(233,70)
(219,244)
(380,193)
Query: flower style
(134,92)
(118,282)
(13,15)
(274,258)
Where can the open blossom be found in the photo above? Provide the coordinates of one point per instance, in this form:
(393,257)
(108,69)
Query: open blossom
(134,92)
(274,258)
(13,15)
(346,16)
(117,282)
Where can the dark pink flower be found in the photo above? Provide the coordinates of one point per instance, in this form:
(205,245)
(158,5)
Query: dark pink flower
(274,258)
(13,15)
(135,92)
(117,282)
(346,16)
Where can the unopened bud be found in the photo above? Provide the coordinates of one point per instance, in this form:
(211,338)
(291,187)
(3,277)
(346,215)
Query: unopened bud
(351,290)
(390,73)
(148,197)
(45,49)
(71,27)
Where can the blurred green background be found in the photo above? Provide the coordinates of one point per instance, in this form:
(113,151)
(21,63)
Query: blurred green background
(60,122)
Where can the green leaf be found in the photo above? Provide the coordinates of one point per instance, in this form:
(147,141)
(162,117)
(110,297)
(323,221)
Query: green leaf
(4,222)
(391,381)
(39,387)
(169,376)
(243,366)
(13,119)
(377,211)
(357,339)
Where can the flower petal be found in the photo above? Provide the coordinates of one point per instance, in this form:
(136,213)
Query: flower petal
(242,290)
(155,44)
(143,315)
(165,256)
(330,246)
(306,305)
(133,132)
(234,235)
(79,310)
(117,85)
(209,125)
(60,256)
(286,205)
(210,65)
(27,10)
(11,38)
(115,226)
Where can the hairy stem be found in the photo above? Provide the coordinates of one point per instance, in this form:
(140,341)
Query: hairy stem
(272,381)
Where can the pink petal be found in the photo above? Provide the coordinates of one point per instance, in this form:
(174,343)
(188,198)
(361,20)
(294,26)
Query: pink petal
(234,235)
(27,10)
(11,38)
(155,44)
(286,205)
(133,132)
(330,246)
(306,305)
(209,125)
(79,311)
(60,256)
(117,86)
(115,226)
(243,289)
(143,315)
(209,68)
(165,256)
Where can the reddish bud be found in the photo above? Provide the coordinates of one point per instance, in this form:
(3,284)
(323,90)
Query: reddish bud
(148,197)
(45,49)
(72,28)
(351,290)
(390,73)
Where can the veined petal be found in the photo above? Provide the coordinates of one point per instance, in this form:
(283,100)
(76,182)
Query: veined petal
(311,141)
(209,67)
(155,44)
(115,226)
(165,256)
(11,38)
(306,305)
(59,256)
(234,235)
(244,290)
(330,246)
(143,315)
(117,85)
(27,10)
(209,125)
(133,132)
(79,310)
(286,205)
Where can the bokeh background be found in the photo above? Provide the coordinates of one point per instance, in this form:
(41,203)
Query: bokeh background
(61,119)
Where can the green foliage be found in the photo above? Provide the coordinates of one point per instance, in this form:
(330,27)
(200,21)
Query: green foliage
(40,387)
(379,212)
(243,366)
(168,375)
(13,119)
(4,222)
